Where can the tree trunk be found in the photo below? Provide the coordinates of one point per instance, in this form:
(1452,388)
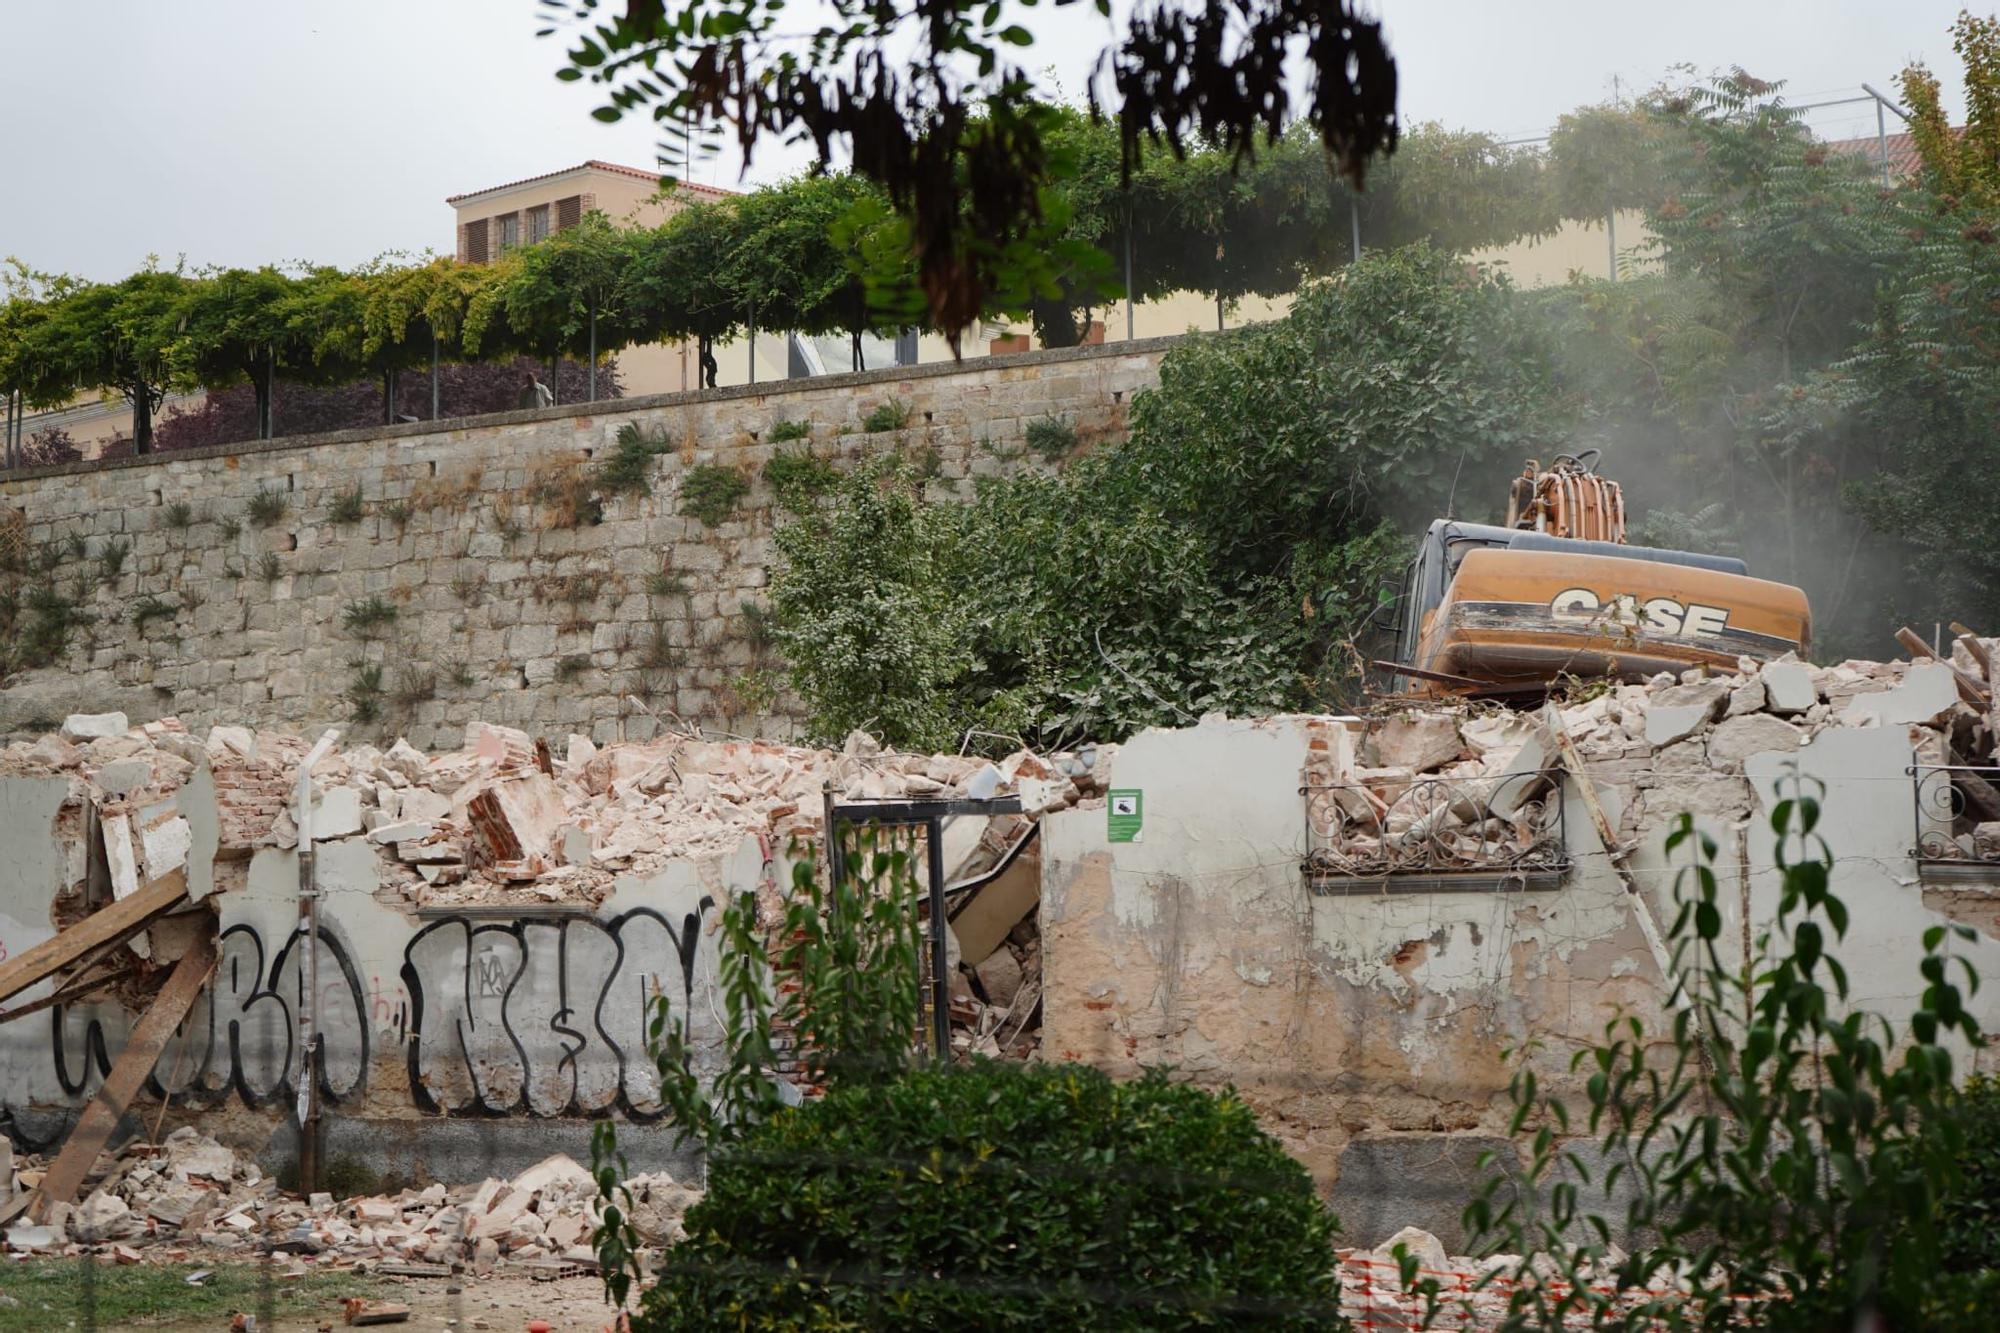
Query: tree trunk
(860,361)
(593,351)
(142,420)
(388,397)
(263,382)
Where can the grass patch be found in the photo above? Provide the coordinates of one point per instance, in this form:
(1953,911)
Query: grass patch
(267,507)
(1050,437)
(232,528)
(572,668)
(398,512)
(710,492)
(798,479)
(892,414)
(51,1294)
(347,508)
(270,568)
(628,468)
(180,515)
(368,617)
(460,675)
(664,582)
(468,588)
(782,431)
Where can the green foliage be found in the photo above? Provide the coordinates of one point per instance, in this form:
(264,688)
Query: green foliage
(347,507)
(270,568)
(368,617)
(890,414)
(571,668)
(798,479)
(1962,162)
(664,582)
(414,685)
(1047,1196)
(1052,437)
(111,557)
(36,623)
(179,515)
(1969,1220)
(232,528)
(710,492)
(267,507)
(1778,1146)
(629,467)
(850,958)
(148,609)
(398,512)
(52,1294)
(364,692)
(460,675)
(783,431)
(1219,558)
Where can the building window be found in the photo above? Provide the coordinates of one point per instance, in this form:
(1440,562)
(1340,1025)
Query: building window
(569,211)
(538,224)
(474,249)
(510,231)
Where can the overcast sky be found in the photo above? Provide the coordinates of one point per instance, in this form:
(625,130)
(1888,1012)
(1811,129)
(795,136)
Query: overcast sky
(263,131)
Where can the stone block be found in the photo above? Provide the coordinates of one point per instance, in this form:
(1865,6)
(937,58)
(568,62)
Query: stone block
(93,726)
(1788,687)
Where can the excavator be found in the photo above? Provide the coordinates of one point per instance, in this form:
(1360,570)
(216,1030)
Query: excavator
(1502,612)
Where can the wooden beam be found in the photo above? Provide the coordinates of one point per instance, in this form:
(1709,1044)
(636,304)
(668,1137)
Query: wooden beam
(106,926)
(1970,688)
(94,1127)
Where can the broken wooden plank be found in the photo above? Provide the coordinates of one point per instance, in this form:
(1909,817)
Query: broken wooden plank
(70,993)
(104,927)
(1970,688)
(142,1051)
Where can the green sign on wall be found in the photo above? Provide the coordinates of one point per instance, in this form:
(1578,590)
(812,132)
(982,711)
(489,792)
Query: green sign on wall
(1124,813)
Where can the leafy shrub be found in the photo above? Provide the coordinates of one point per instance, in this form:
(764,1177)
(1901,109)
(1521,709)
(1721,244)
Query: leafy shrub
(1222,557)
(347,508)
(1044,1196)
(781,431)
(1051,437)
(798,478)
(1969,1221)
(414,685)
(368,617)
(267,507)
(1778,1147)
(627,470)
(891,414)
(711,491)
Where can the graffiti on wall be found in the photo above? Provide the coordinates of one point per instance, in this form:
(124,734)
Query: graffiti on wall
(537,1016)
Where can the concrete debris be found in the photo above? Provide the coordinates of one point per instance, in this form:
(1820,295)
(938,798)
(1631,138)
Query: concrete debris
(193,1192)
(487,824)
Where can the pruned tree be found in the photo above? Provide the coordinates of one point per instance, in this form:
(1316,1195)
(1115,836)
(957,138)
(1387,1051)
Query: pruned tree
(1962,164)
(232,325)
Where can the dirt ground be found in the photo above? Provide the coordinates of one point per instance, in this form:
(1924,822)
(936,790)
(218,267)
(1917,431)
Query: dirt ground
(505,1304)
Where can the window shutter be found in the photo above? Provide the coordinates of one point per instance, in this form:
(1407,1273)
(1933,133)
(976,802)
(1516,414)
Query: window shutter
(569,211)
(538,224)
(473,248)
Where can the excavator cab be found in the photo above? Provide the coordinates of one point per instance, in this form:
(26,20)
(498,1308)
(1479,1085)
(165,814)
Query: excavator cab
(1502,611)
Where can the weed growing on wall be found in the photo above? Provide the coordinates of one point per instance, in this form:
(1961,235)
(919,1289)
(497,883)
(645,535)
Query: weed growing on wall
(1051,438)
(364,692)
(1783,1160)
(179,515)
(571,669)
(368,617)
(267,507)
(798,480)
(415,684)
(347,508)
(111,557)
(148,609)
(270,568)
(398,512)
(711,492)
(891,414)
(783,431)
(232,528)
(628,468)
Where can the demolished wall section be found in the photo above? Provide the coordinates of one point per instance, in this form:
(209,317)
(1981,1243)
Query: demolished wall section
(1369,1024)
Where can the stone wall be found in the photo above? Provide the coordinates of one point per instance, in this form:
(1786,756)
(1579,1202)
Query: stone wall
(471,582)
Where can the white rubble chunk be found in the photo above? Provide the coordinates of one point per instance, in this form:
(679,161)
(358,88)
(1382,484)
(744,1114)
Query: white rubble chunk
(94,726)
(336,814)
(407,759)
(1416,740)
(118,855)
(1749,697)
(1427,1249)
(1788,687)
(1736,739)
(124,776)
(240,742)
(166,845)
(1928,692)
(410,831)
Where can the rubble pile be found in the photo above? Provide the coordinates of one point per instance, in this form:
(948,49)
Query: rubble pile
(192,1193)
(1459,787)
(501,818)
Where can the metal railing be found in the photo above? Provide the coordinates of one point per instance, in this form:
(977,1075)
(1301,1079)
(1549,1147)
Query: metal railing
(1954,802)
(1437,833)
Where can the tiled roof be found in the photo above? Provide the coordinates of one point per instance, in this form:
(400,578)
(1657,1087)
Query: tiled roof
(593,164)
(1903,160)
